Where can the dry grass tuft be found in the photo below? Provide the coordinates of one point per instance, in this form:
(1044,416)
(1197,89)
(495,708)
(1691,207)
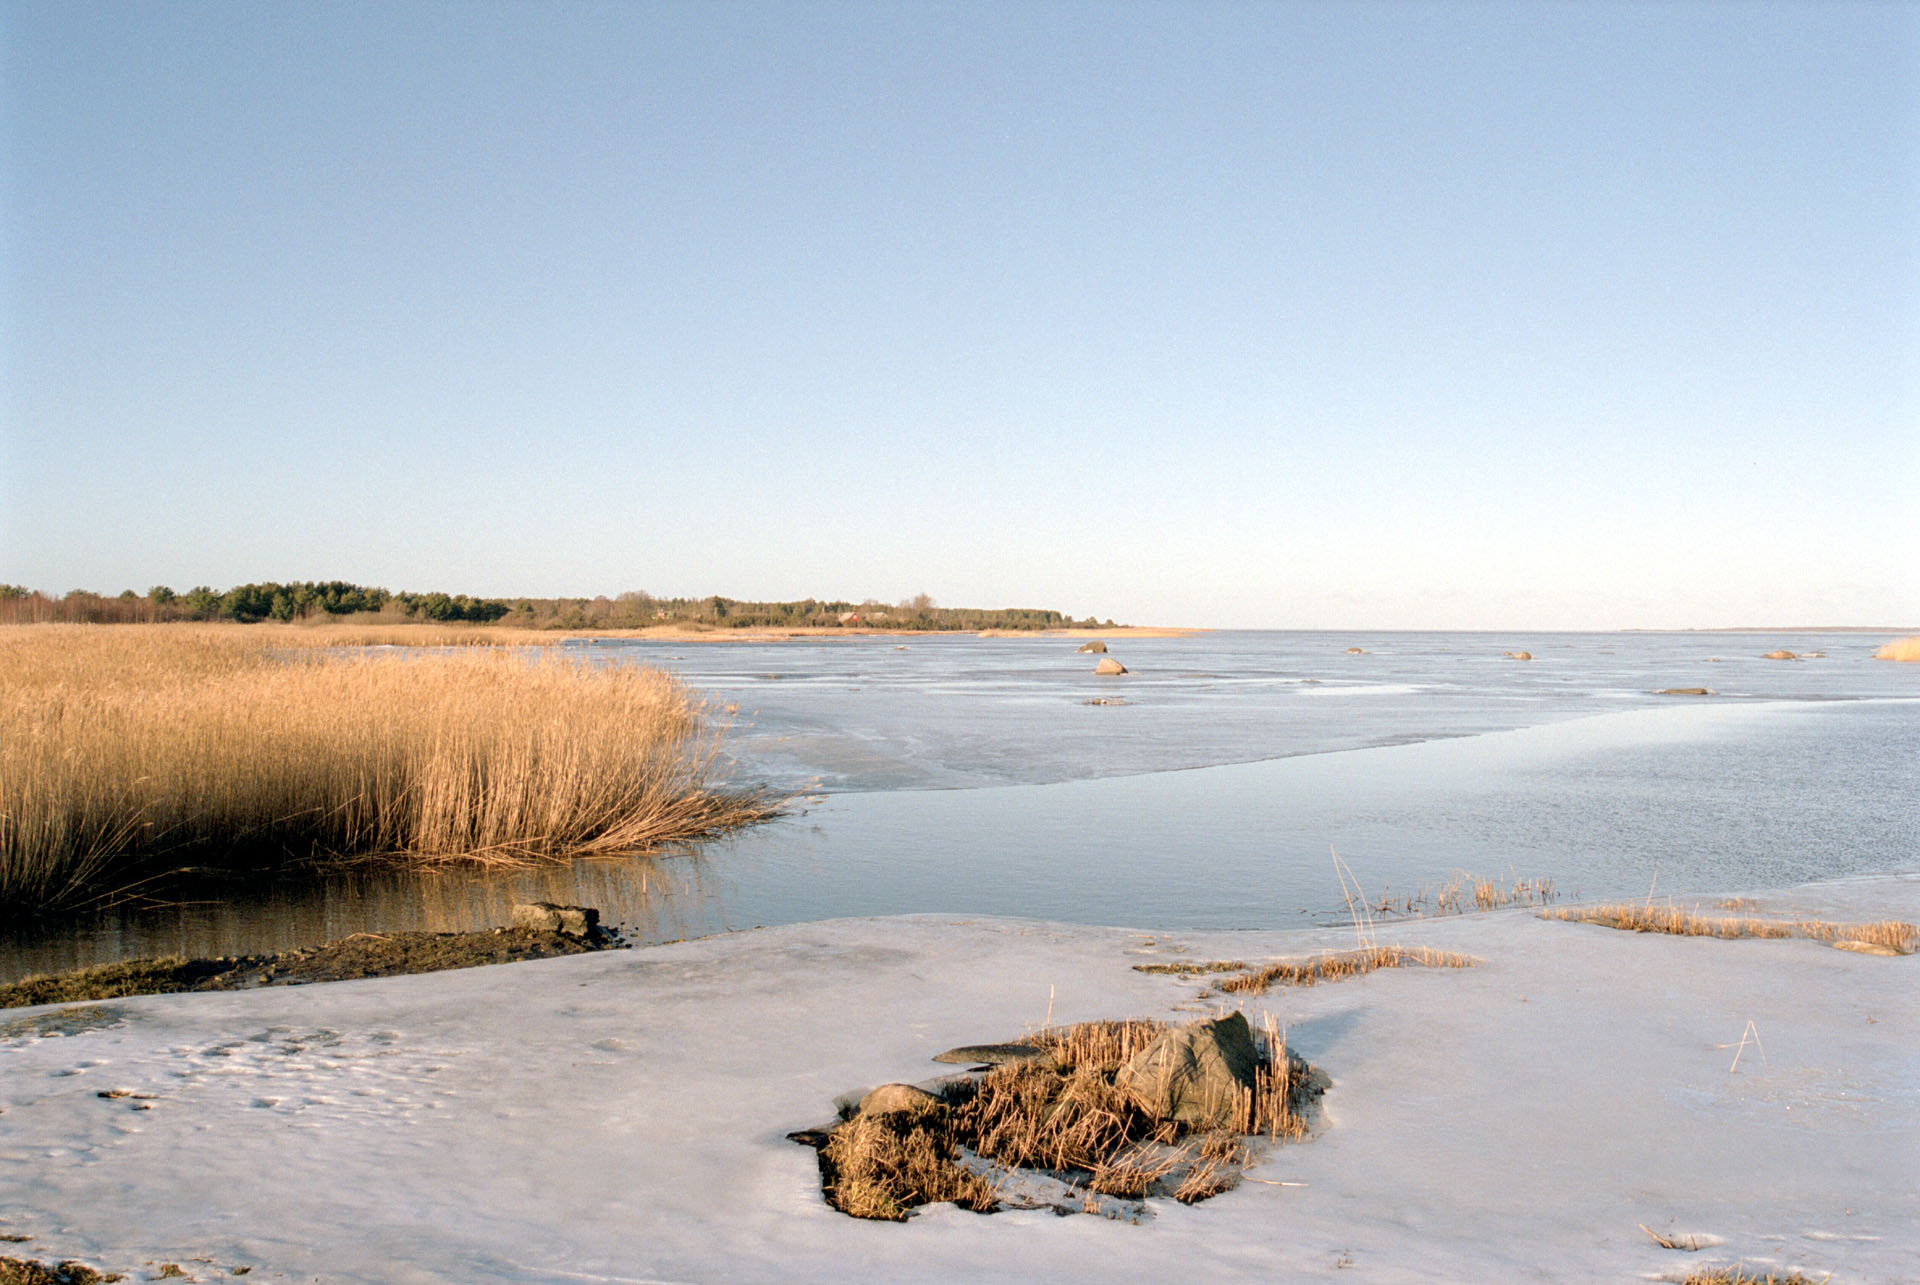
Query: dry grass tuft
(1637,917)
(1900,649)
(128,753)
(880,1166)
(1219,1161)
(1096,1044)
(1340,966)
(1463,892)
(1739,1275)
(1039,1117)
(1061,1113)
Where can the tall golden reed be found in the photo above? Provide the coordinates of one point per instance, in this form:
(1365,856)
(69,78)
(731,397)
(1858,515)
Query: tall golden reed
(1900,649)
(130,751)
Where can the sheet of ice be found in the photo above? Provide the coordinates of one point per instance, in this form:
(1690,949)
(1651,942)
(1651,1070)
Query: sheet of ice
(620,1117)
(946,711)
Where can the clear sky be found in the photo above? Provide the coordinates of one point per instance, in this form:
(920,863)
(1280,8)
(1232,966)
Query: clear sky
(1524,315)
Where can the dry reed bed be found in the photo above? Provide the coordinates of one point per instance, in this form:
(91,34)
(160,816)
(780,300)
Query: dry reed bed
(133,751)
(1062,1114)
(1637,917)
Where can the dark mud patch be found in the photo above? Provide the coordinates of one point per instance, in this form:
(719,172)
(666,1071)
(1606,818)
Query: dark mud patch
(361,955)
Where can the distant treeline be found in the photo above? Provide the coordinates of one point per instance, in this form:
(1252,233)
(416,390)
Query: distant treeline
(311,600)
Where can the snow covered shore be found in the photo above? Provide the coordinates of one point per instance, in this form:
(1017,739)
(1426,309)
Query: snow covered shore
(621,1116)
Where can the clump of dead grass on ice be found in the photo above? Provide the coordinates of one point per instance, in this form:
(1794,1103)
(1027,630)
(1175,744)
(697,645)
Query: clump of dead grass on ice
(1739,1274)
(1061,1113)
(1251,979)
(881,1166)
(1638,917)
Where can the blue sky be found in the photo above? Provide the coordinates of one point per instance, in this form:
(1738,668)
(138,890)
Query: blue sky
(1314,315)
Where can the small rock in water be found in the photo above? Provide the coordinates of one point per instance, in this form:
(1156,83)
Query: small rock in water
(1780,655)
(548,917)
(894,1097)
(1108,665)
(1519,655)
(990,1054)
(1356,651)
(1095,646)
(1686,691)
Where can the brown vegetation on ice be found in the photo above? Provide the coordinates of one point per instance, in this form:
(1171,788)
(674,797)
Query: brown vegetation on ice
(1890,935)
(1335,967)
(1071,1110)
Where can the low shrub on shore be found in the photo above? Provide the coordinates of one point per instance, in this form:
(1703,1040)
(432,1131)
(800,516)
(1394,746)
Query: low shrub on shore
(1636,917)
(127,755)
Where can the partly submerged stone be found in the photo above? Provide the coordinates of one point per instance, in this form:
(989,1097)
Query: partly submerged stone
(549,917)
(895,1097)
(1108,665)
(1519,655)
(1686,691)
(1356,651)
(1780,655)
(1868,947)
(1199,1073)
(990,1054)
(1095,646)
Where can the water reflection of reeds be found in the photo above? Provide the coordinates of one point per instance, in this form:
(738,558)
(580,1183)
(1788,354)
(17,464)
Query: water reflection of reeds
(650,899)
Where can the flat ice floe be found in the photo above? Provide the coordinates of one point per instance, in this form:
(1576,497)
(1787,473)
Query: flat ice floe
(621,1117)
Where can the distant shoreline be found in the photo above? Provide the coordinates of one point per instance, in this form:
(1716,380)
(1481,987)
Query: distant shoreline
(1777,629)
(680,633)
